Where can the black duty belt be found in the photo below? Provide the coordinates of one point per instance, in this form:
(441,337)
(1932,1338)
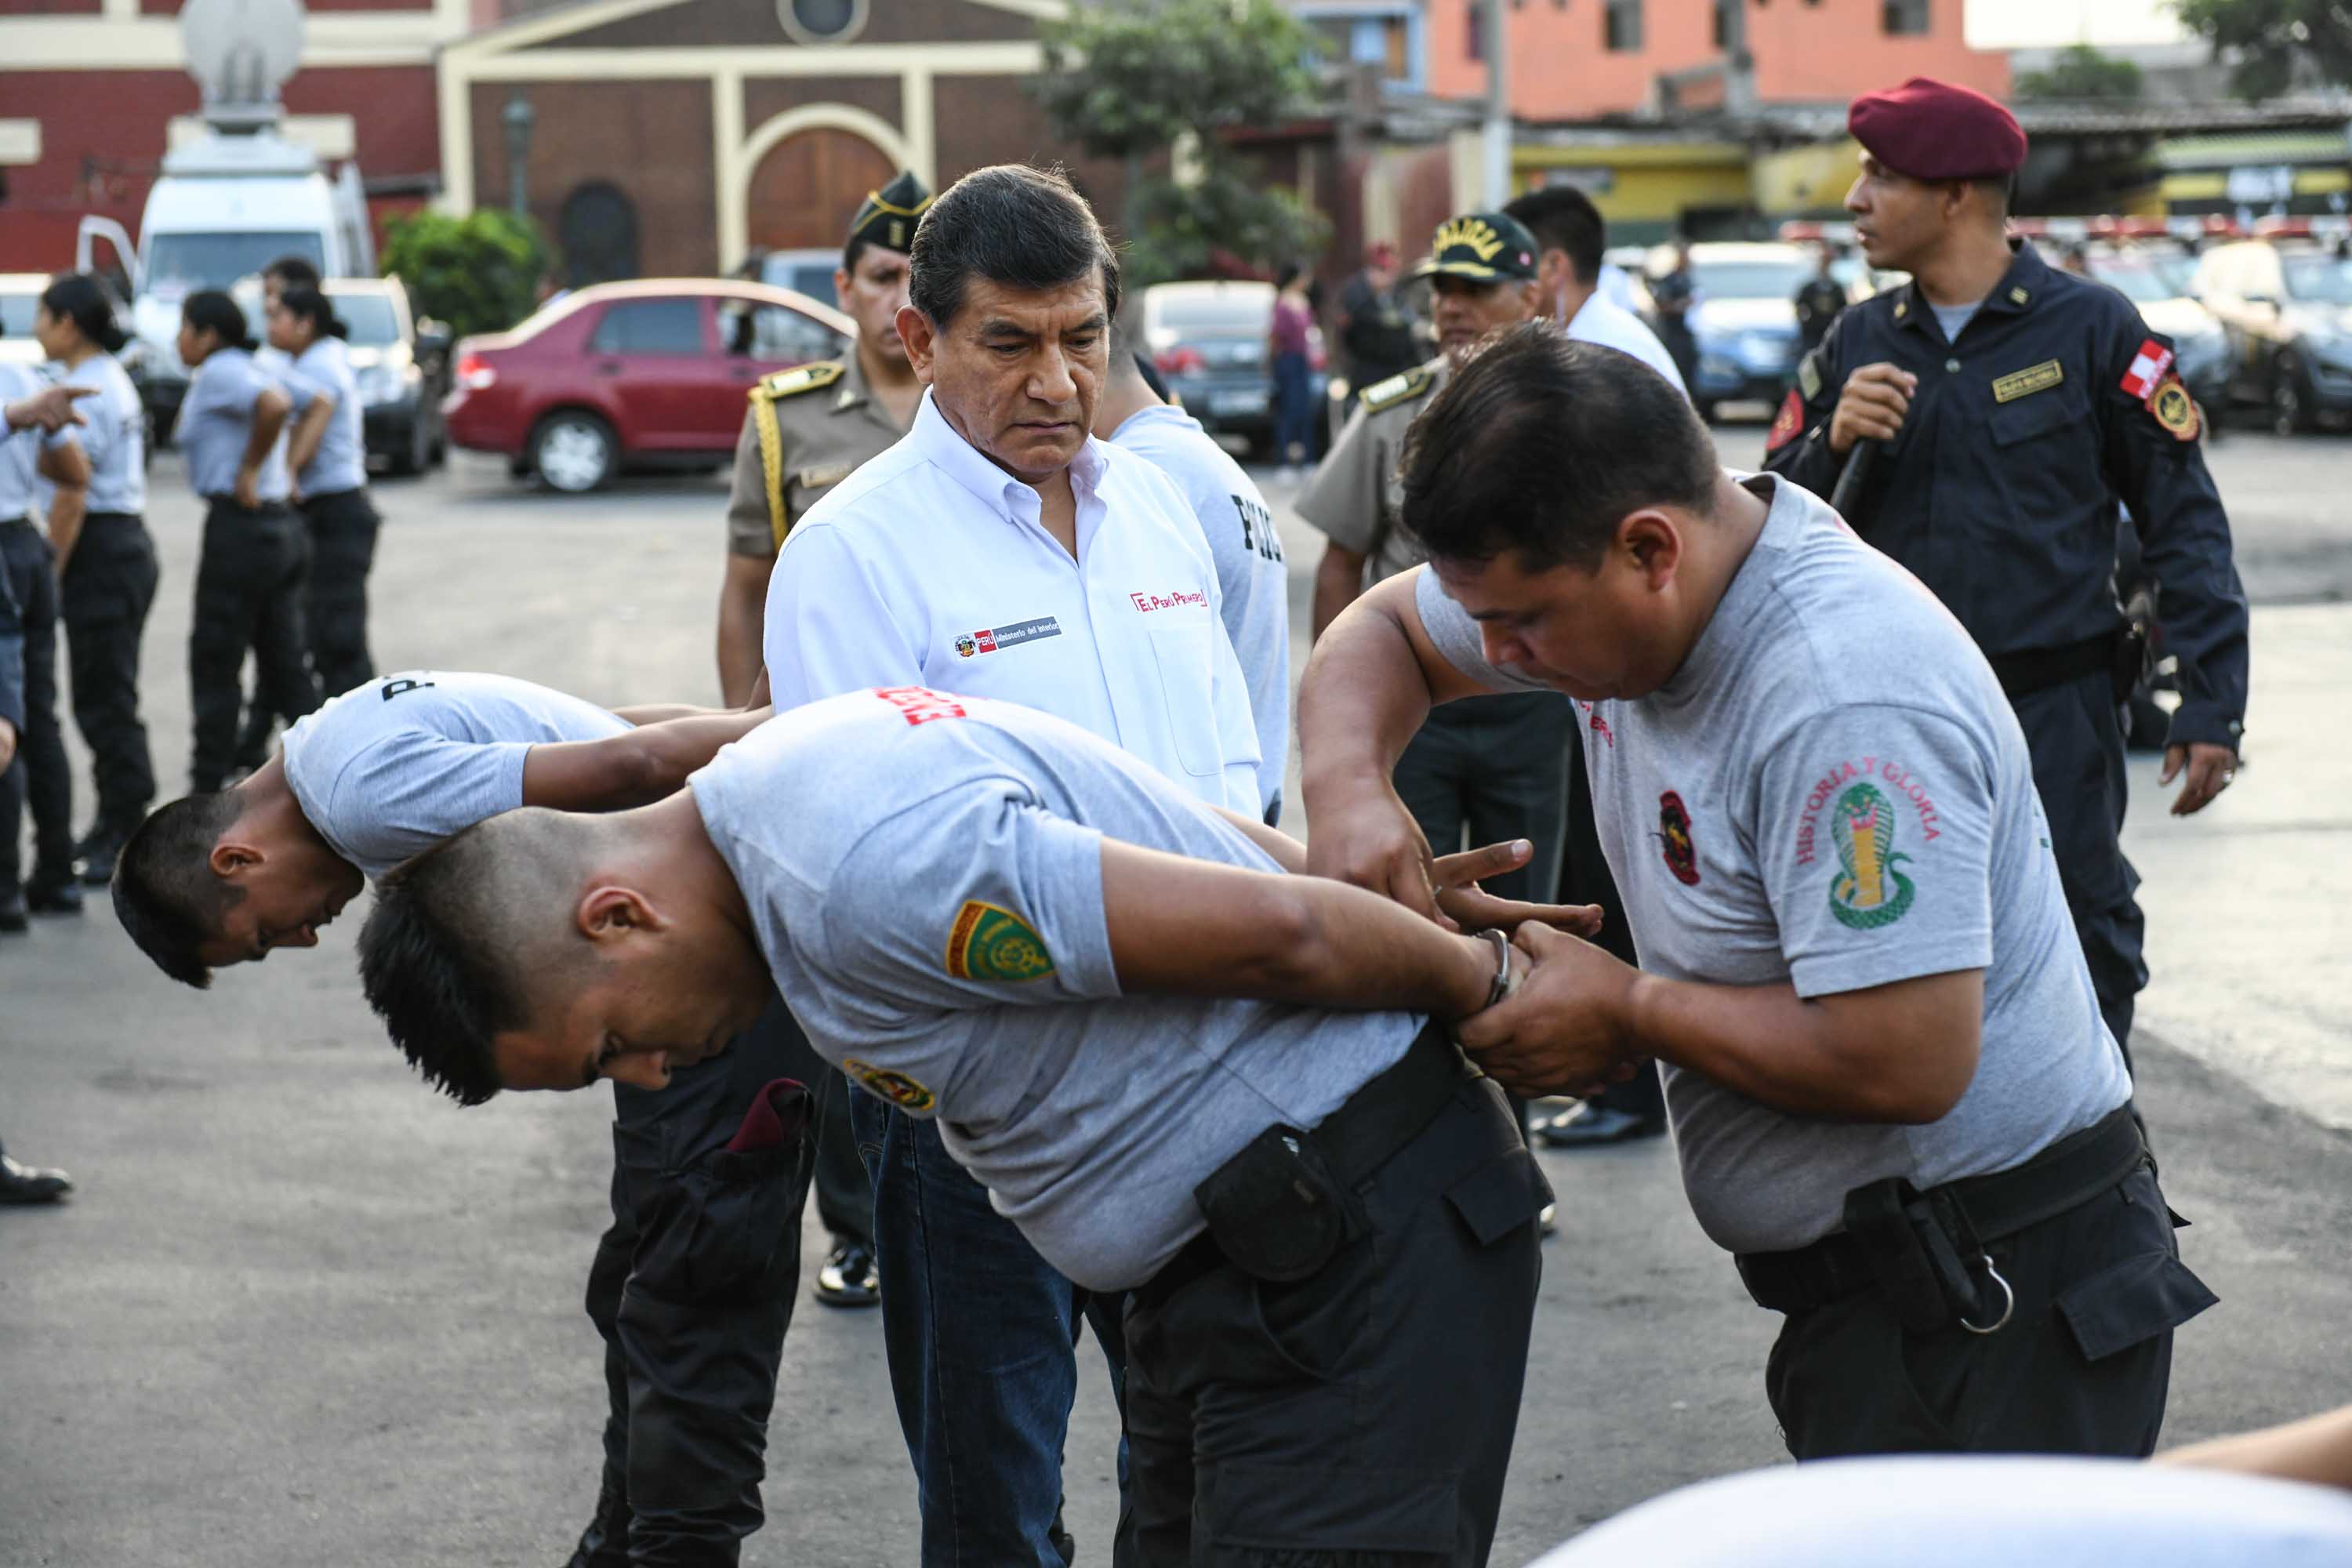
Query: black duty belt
(2071,1172)
(1354,1142)
(2033,669)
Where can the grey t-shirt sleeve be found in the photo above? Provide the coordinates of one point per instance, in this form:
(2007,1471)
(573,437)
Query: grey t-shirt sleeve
(1874,836)
(1456,635)
(303,387)
(413,789)
(233,385)
(975,897)
(1342,497)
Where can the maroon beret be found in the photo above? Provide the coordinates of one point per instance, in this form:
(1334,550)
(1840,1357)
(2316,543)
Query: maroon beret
(1932,130)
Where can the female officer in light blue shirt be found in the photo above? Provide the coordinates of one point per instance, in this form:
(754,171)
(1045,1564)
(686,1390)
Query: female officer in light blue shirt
(107,570)
(255,557)
(330,489)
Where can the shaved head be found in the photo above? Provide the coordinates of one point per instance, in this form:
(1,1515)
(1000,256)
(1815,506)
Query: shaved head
(460,937)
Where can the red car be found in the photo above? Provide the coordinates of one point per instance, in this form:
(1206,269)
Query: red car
(647,373)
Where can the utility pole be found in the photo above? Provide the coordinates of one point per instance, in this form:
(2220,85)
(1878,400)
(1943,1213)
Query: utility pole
(1496,163)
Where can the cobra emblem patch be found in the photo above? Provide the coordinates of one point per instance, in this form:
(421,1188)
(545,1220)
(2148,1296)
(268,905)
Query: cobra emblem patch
(989,942)
(1868,891)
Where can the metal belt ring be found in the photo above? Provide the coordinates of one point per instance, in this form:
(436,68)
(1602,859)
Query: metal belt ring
(2008,1300)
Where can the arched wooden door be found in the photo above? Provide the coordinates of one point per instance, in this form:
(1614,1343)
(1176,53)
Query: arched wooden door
(808,187)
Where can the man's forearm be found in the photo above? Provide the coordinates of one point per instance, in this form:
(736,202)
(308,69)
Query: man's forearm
(1338,580)
(1288,852)
(1776,1049)
(2317,1450)
(743,628)
(1363,698)
(677,748)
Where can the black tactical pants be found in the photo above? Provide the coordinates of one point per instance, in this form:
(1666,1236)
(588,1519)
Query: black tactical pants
(692,1291)
(106,589)
(844,1192)
(2082,1367)
(2076,739)
(40,776)
(342,549)
(249,584)
(1492,765)
(1363,1417)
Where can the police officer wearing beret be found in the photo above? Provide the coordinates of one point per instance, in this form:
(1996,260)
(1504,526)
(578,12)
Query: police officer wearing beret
(806,430)
(2013,406)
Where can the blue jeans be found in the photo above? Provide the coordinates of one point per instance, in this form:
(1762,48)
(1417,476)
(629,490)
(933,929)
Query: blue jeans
(982,1334)
(1294,407)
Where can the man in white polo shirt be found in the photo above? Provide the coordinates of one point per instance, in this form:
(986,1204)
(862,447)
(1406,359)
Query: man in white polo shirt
(999,551)
(1570,236)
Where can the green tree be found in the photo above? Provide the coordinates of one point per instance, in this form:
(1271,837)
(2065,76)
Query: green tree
(1140,80)
(2081,74)
(2273,38)
(478,273)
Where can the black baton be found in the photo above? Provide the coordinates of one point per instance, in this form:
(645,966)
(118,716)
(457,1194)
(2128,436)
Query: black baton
(1852,478)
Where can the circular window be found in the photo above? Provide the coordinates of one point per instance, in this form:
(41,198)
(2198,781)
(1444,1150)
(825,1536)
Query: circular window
(822,21)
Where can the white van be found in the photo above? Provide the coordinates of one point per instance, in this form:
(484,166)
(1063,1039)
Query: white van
(225,206)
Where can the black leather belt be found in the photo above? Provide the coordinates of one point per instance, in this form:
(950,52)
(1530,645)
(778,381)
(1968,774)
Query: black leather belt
(1355,1140)
(2033,669)
(2071,1172)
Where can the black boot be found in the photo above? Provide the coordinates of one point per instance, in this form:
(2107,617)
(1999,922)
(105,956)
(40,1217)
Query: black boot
(606,1542)
(31,1184)
(98,856)
(14,916)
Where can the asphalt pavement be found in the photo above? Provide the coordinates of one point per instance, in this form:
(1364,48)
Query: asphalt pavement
(301,1311)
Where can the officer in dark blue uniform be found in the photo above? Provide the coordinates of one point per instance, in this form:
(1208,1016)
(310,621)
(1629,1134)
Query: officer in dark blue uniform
(1996,410)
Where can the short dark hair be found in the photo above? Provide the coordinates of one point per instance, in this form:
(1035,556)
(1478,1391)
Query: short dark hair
(1541,444)
(1997,191)
(434,967)
(166,894)
(293,272)
(1009,224)
(1563,218)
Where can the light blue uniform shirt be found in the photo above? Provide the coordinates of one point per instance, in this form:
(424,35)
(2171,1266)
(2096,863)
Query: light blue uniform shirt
(924,874)
(340,462)
(217,421)
(20,451)
(391,768)
(1239,529)
(1832,793)
(115,436)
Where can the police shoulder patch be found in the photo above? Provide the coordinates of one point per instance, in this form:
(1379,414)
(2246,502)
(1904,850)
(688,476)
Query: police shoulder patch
(1397,389)
(799,379)
(989,942)
(2174,409)
(1809,375)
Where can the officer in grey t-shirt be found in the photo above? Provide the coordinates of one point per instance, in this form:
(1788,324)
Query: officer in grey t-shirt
(698,1269)
(1892,1093)
(999,922)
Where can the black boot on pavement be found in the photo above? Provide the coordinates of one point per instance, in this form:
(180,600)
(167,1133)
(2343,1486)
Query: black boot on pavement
(31,1184)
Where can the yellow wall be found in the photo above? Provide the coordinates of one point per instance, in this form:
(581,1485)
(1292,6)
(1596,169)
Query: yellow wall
(1651,182)
(1811,179)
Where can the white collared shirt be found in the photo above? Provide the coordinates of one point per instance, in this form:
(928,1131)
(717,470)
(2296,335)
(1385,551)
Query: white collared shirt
(931,567)
(1603,320)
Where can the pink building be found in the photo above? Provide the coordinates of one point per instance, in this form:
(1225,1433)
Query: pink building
(1575,60)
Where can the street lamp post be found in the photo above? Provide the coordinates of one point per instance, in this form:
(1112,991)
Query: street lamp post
(518,117)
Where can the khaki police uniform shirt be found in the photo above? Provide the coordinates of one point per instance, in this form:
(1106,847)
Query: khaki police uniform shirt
(1356,497)
(827,422)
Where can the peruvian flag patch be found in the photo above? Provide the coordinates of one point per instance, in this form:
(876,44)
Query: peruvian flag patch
(2148,368)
